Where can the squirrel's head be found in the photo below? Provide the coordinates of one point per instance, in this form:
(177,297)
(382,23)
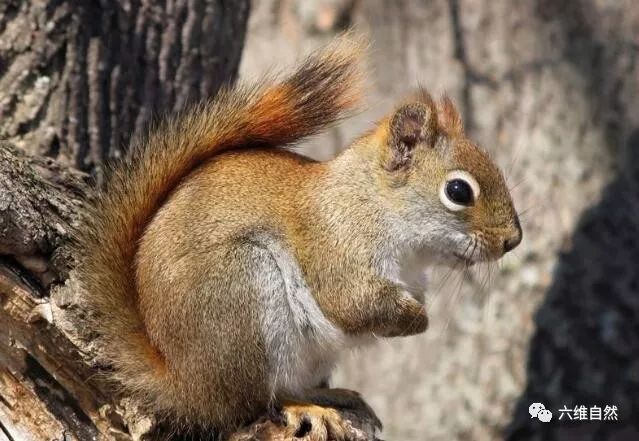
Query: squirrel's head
(442,188)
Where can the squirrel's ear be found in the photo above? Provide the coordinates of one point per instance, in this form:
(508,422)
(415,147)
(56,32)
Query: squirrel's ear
(450,120)
(411,124)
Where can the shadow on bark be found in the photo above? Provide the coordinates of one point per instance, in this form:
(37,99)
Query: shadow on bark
(586,347)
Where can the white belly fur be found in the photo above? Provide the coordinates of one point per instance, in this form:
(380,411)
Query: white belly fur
(302,345)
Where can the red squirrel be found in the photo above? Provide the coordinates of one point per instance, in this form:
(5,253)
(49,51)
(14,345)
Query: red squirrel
(224,274)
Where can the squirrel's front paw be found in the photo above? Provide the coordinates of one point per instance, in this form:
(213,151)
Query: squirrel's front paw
(310,422)
(408,318)
(416,319)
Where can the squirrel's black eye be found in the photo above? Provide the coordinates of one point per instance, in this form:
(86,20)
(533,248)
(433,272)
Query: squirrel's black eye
(459,192)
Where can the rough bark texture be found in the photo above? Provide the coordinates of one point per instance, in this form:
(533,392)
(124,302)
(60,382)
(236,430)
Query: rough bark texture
(42,391)
(77,78)
(551,89)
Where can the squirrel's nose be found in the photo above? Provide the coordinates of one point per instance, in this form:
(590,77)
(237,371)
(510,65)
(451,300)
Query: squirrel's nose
(515,238)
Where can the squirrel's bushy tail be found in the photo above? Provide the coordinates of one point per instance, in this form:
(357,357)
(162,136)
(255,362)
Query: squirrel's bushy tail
(320,91)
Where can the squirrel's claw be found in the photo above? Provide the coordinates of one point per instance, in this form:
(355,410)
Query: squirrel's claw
(310,422)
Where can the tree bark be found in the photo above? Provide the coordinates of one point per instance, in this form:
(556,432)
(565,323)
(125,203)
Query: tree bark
(77,78)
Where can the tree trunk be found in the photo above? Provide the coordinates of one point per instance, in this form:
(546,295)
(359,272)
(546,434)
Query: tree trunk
(77,78)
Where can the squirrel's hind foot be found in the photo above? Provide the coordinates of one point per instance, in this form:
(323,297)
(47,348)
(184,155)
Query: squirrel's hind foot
(325,415)
(310,422)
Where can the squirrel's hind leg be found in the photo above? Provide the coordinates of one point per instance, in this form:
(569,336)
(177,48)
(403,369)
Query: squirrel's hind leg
(329,414)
